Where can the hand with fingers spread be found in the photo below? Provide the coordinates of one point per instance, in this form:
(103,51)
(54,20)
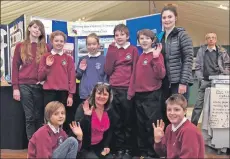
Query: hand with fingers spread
(69,102)
(157,50)
(49,60)
(105,151)
(87,109)
(83,64)
(16,94)
(158,131)
(76,128)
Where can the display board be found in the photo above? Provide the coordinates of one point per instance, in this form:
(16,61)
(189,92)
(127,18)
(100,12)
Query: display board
(219,108)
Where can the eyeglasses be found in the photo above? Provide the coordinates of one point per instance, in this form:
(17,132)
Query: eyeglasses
(103,83)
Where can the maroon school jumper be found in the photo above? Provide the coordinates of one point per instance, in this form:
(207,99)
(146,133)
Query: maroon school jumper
(60,75)
(45,141)
(185,142)
(24,73)
(149,72)
(120,66)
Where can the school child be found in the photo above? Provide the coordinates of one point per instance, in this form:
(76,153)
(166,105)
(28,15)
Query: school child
(120,66)
(96,121)
(51,141)
(57,71)
(150,71)
(26,85)
(90,69)
(181,139)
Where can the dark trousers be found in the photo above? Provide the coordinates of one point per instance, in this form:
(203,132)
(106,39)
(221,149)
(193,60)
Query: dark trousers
(148,111)
(61,96)
(167,92)
(94,152)
(32,102)
(122,111)
(199,102)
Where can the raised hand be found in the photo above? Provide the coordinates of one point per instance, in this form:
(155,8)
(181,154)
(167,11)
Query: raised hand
(76,128)
(49,60)
(158,131)
(16,94)
(83,64)
(69,102)
(157,50)
(87,109)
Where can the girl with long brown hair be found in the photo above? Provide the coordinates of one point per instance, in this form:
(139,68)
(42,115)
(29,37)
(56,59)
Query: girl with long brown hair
(26,87)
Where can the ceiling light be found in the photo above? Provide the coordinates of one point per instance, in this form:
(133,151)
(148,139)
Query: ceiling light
(223,7)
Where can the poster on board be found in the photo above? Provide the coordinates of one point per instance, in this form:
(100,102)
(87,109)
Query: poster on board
(16,35)
(101,28)
(104,44)
(4,61)
(219,108)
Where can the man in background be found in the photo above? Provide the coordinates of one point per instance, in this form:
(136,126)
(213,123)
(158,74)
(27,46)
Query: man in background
(211,60)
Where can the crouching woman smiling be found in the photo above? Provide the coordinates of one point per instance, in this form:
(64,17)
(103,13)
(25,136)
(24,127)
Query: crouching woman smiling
(95,121)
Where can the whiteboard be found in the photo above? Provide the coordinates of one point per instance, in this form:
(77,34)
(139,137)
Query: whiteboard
(219,108)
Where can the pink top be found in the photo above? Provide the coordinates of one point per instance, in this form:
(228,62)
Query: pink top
(98,127)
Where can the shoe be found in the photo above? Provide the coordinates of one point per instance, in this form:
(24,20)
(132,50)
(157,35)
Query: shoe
(146,157)
(127,155)
(119,154)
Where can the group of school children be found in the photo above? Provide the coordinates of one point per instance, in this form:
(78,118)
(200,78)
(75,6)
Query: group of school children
(122,97)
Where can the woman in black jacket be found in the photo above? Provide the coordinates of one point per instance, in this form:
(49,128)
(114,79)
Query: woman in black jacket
(178,55)
(96,122)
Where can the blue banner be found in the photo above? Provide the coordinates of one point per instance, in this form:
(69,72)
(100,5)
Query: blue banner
(152,22)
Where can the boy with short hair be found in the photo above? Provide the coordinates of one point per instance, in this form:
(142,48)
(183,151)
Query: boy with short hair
(120,66)
(181,139)
(150,71)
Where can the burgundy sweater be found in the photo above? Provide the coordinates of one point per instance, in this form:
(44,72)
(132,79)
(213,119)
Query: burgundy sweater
(149,73)
(44,142)
(120,66)
(60,75)
(185,142)
(23,73)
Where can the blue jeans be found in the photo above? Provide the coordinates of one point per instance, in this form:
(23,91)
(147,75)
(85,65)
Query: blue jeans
(68,149)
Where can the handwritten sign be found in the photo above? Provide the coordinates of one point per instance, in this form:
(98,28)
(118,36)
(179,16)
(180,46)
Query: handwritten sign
(219,108)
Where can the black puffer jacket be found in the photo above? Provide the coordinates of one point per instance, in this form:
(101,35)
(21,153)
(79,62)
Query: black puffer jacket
(178,54)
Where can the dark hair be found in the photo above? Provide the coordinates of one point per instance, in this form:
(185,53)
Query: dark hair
(178,99)
(93,35)
(146,32)
(122,28)
(101,87)
(170,7)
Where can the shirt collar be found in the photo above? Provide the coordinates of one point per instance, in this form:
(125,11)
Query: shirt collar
(211,49)
(53,128)
(125,46)
(179,125)
(148,51)
(54,53)
(95,55)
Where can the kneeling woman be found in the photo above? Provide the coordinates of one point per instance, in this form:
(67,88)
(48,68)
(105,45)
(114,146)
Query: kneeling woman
(95,122)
